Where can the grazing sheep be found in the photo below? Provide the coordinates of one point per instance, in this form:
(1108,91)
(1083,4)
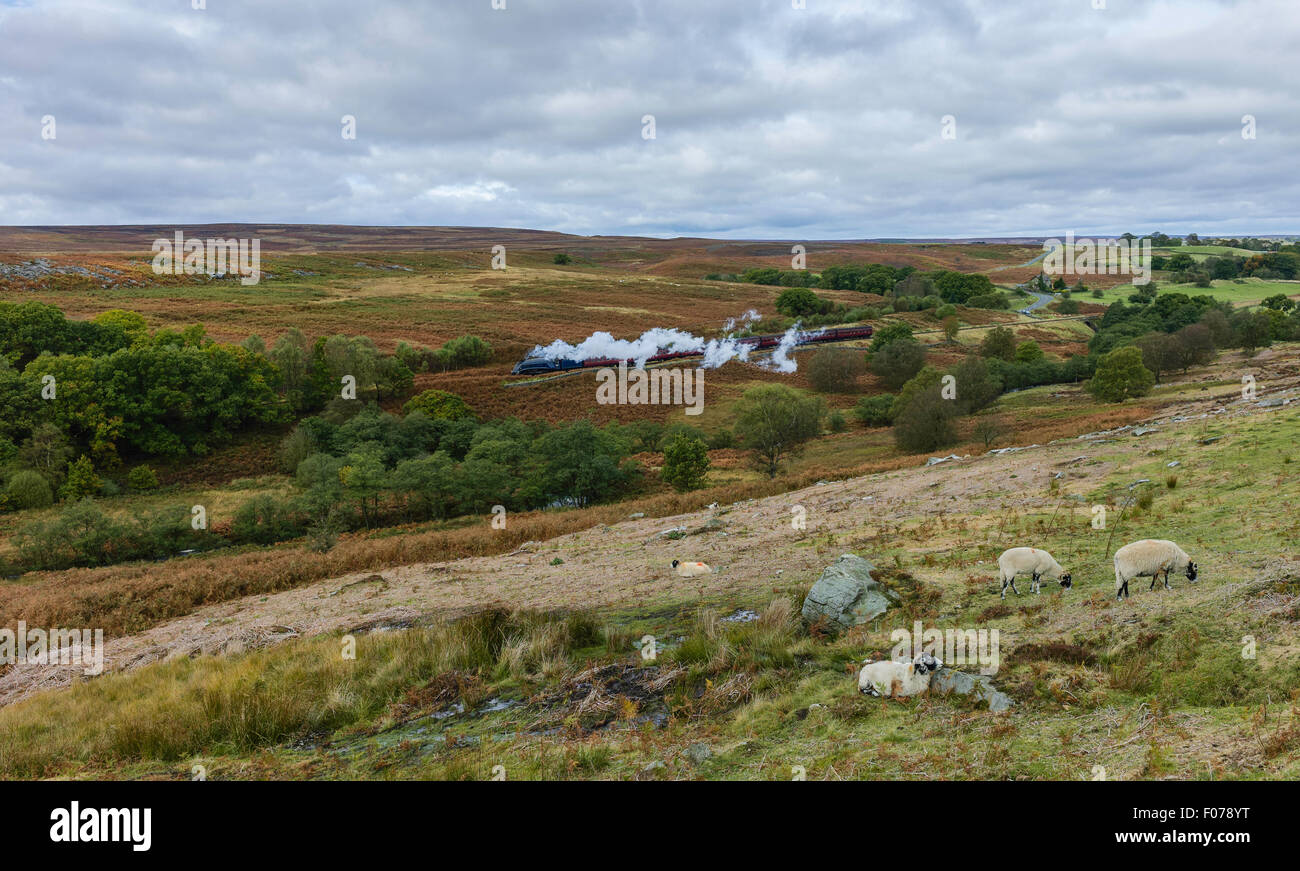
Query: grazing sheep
(691,570)
(1029,561)
(889,678)
(1147,559)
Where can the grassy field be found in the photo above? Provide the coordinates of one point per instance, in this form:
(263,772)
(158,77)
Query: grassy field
(1201,252)
(478,648)
(1155,687)
(1242,291)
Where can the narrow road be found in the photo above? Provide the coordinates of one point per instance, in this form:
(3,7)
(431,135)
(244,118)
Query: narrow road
(1040,300)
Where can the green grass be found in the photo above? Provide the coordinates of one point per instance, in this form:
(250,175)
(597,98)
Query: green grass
(1200,252)
(1239,292)
(1164,690)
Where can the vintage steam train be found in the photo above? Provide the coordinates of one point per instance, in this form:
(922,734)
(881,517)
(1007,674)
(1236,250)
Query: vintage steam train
(542,365)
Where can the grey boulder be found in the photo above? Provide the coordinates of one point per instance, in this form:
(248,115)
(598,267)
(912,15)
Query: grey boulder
(846,595)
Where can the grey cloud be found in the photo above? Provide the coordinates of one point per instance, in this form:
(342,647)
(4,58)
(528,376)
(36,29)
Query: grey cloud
(771,121)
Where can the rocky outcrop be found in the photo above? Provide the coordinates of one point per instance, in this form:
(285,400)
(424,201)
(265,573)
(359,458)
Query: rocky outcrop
(846,595)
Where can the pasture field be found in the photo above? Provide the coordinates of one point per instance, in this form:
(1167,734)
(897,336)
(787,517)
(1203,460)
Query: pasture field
(1240,291)
(1201,252)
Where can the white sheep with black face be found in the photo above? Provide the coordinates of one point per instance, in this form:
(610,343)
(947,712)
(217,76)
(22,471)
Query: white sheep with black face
(1033,561)
(1147,559)
(890,678)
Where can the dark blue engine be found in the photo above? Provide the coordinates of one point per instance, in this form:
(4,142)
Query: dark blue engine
(541,365)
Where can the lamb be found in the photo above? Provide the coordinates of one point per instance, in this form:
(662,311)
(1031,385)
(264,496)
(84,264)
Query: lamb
(691,570)
(1030,561)
(1148,558)
(889,678)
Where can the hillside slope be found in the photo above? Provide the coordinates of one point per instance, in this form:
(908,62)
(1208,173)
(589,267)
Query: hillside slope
(1154,686)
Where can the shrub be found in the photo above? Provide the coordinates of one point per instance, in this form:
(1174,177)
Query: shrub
(82,480)
(835,370)
(874,410)
(888,334)
(775,421)
(1028,352)
(836,421)
(999,343)
(142,478)
(798,301)
(27,489)
(265,519)
(1120,375)
(562,259)
(686,463)
(977,386)
(898,362)
(439,404)
(925,423)
(467,351)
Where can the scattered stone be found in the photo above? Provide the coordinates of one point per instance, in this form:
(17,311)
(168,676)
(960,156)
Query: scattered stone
(846,595)
(698,754)
(637,516)
(945,680)
(1175,464)
(1145,430)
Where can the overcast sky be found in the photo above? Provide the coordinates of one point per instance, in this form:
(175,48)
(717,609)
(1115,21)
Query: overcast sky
(769,121)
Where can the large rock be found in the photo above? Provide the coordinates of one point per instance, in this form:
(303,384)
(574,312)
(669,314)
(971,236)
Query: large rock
(945,680)
(846,595)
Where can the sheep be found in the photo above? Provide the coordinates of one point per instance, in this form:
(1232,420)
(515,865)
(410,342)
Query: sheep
(1030,561)
(691,570)
(1148,558)
(890,678)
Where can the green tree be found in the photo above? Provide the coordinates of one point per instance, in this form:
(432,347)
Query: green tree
(925,423)
(1120,375)
(582,464)
(977,387)
(28,489)
(82,480)
(899,361)
(874,410)
(1028,352)
(142,478)
(888,334)
(835,370)
(797,302)
(686,463)
(775,421)
(999,343)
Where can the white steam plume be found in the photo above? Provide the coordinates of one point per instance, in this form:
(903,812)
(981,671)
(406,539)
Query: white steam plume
(715,352)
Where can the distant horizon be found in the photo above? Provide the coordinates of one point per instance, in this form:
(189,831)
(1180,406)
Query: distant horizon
(993,239)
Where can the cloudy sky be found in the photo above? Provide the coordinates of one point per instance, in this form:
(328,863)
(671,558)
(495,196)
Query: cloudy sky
(768,120)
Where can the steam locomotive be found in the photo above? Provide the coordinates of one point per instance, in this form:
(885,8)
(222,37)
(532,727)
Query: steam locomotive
(541,365)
